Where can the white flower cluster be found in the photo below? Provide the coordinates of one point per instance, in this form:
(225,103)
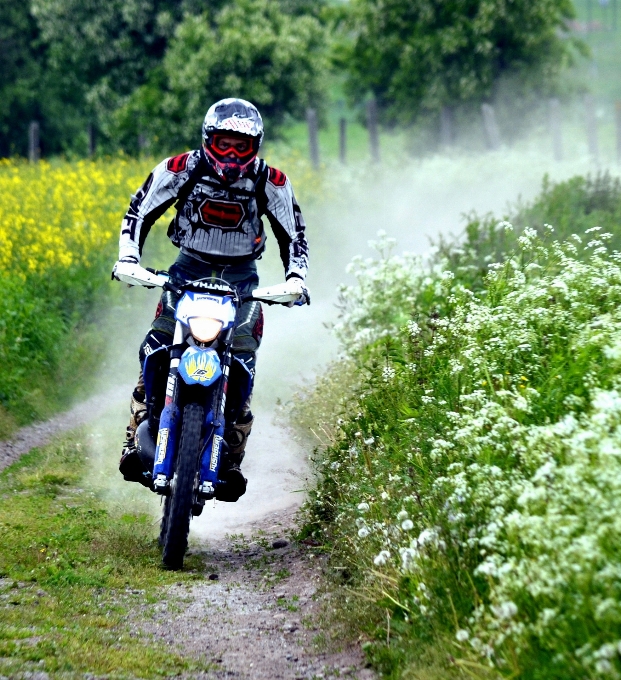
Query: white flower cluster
(527,483)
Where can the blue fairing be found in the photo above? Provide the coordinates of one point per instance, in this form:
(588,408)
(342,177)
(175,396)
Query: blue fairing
(149,368)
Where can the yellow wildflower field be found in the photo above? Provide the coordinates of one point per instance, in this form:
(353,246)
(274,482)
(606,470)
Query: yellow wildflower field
(58,215)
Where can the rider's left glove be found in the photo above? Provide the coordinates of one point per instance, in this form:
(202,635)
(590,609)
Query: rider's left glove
(298,286)
(127,258)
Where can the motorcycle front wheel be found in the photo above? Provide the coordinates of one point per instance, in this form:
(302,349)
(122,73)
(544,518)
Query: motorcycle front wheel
(178,508)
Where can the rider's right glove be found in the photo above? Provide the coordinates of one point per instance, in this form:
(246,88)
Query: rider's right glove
(127,258)
(298,286)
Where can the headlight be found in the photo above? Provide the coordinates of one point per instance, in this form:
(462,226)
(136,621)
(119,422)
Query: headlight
(204,329)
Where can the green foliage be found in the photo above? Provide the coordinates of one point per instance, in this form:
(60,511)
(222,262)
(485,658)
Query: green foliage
(250,49)
(66,561)
(71,64)
(572,207)
(21,69)
(469,487)
(419,56)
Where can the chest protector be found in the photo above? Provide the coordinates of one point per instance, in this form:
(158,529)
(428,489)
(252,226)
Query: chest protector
(219,221)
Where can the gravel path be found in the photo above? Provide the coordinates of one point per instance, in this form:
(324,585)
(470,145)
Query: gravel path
(260,619)
(40,434)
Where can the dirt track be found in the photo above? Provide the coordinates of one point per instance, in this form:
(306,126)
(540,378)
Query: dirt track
(261,618)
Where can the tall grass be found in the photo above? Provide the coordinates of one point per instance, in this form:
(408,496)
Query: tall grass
(469,483)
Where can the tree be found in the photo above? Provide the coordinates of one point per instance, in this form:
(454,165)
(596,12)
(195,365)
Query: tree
(418,55)
(20,64)
(251,49)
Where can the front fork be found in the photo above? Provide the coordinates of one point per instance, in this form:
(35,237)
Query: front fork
(169,421)
(167,437)
(212,451)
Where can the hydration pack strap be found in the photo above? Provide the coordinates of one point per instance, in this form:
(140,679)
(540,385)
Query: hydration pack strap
(186,189)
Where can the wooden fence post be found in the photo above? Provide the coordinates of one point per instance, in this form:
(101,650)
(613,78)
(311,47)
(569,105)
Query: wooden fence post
(591,125)
(492,134)
(34,147)
(447,134)
(373,133)
(554,110)
(143,143)
(313,136)
(92,141)
(343,141)
(618,126)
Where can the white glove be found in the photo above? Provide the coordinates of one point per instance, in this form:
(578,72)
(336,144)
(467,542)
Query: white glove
(127,258)
(297,285)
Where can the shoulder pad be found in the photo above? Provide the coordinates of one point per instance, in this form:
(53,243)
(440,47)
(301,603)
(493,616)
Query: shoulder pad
(178,164)
(276,177)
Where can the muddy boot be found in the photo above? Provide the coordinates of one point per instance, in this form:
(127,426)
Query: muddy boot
(236,439)
(131,466)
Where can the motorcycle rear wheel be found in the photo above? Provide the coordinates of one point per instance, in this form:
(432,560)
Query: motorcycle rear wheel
(180,505)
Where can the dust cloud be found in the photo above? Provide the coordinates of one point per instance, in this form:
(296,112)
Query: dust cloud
(414,203)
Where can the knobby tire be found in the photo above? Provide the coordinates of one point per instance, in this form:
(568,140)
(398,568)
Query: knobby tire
(180,506)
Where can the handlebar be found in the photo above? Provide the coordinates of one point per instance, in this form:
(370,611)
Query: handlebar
(135,275)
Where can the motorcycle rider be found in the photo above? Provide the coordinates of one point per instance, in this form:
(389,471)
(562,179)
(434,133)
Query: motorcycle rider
(221,191)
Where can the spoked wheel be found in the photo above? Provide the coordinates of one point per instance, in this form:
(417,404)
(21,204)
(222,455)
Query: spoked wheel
(176,522)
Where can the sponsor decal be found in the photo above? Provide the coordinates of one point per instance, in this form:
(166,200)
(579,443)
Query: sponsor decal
(162,442)
(202,366)
(225,215)
(215,452)
(277,177)
(178,163)
(237,124)
(170,386)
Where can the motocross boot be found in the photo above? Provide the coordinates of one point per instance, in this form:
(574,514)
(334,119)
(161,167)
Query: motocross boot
(236,438)
(131,466)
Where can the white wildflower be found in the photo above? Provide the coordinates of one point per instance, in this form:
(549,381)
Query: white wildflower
(403,514)
(409,557)
(462,635)
(407,525)
(363,532)
(413,328)
(363,507)
(388,373)
(381,559)
(506,610)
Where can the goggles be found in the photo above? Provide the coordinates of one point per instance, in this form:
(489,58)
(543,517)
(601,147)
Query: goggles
(225,146)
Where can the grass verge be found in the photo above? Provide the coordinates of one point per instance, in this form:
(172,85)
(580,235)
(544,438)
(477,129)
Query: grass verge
(468,485)
(76,577)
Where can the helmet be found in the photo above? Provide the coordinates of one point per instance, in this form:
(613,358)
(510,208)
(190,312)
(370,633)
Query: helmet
(227,121)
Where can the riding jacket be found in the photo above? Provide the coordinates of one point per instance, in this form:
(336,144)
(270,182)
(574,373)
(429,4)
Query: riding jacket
(216,221)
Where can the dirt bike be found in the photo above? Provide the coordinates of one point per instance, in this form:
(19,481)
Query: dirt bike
(189,403)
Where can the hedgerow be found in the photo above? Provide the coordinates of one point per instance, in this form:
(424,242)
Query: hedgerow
(470,493)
